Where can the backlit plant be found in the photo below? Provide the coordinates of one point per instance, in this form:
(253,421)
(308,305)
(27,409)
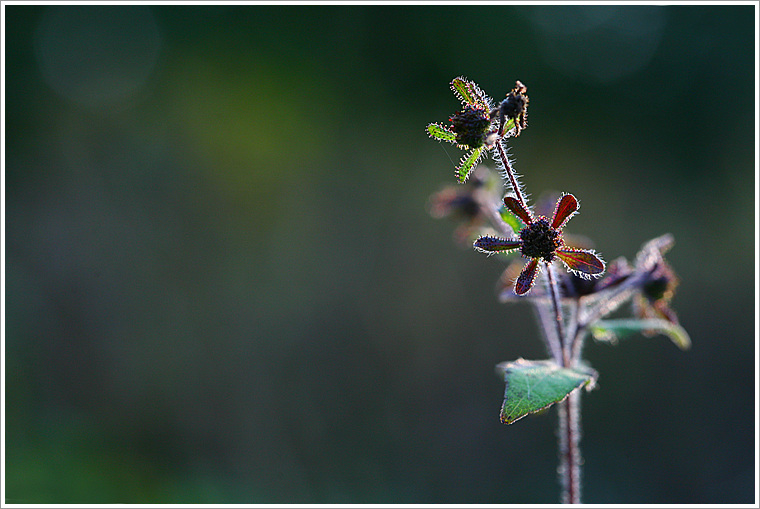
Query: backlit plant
(571,304)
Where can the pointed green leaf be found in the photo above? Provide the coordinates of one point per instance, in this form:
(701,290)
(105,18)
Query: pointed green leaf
(467,163)
(511,219)
(535,385)
(461,88)
(468,92)
(440,132)
(612,330)
(509,125)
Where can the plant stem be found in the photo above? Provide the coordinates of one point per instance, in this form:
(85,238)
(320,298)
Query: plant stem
(569,437)
(511,174)
(557,310)
(575,334)
(546,319)
(569,411)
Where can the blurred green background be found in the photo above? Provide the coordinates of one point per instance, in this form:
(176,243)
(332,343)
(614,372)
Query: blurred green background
(223,284)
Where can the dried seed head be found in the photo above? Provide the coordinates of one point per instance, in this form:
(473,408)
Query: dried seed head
(661,283)
(515,106)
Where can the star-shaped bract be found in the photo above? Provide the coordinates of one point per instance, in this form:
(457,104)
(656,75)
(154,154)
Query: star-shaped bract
(541,240)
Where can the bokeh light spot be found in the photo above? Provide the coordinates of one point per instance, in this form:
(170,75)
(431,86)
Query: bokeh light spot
(97,55)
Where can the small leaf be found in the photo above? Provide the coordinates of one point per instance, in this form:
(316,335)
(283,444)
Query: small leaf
(509,127)
(535,385)
(442,133)
(461,90)
(467,163)
(613,330)
(511,219)
(468,92)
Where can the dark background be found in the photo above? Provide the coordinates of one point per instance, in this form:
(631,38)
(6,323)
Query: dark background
(223,284)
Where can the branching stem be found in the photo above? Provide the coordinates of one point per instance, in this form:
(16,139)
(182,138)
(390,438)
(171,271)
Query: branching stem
(565,323)
(569,411)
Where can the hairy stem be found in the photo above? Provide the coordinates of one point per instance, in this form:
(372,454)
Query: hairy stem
(575,334)
(511,174)
(546,318)
(569,409)
(569,450)
(557,312)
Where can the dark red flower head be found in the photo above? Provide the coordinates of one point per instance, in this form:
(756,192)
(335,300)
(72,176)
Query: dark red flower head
(541,240)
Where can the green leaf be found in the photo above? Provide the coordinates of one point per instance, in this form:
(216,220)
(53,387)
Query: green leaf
(468,92)
(512,220)
(461,88)
(533,386)
(467,163)
(613,330)
(509,124)
(440,132)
